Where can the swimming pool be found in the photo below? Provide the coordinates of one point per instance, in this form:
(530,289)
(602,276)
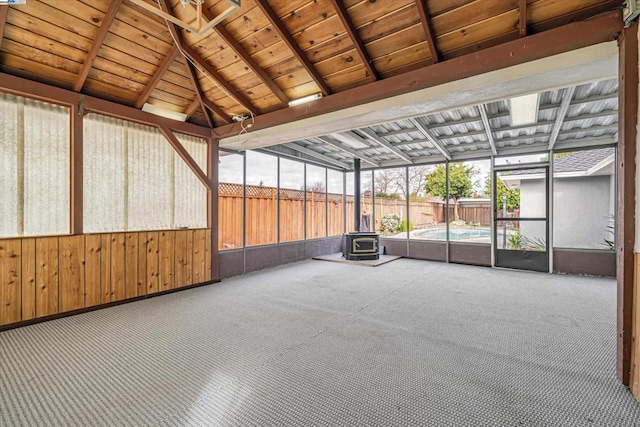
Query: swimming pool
(454,234)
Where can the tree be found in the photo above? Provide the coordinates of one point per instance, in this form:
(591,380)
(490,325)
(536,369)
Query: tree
(384,179)
(394,181)
(460,184)
(316,187)
(416,179)
(513,196)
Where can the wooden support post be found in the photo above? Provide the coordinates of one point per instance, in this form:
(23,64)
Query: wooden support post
(626,197)
(212,205)
(76,169)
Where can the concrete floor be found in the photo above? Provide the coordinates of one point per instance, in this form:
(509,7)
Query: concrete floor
(322,343)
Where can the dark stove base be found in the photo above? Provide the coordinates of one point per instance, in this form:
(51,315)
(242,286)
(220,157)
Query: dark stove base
(353,257)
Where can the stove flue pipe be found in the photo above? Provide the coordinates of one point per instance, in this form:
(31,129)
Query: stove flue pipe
(356,193)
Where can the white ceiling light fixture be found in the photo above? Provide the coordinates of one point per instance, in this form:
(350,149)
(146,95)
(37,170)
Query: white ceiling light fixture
(201,26)
(305,99)
(163,112)
(524,109)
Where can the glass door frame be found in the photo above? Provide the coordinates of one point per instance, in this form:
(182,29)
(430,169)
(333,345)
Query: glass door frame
(526,255)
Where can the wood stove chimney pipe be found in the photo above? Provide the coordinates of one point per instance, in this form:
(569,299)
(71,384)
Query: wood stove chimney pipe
(356,193)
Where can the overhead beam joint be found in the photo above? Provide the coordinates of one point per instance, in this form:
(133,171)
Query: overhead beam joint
(560,115)
(487,128)
(431,137)
(386,145)
(206,68)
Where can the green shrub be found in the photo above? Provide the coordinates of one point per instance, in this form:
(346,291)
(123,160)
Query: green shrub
(390,223)
(403,226)
(514,241)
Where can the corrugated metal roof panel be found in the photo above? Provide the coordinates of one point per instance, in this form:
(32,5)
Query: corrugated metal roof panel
(592,116)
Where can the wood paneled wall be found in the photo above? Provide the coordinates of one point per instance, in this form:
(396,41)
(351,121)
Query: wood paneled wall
(44,276)
(634,377)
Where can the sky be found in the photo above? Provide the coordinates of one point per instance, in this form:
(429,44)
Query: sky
(262,169)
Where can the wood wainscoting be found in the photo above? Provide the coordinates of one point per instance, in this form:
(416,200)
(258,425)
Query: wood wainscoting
(45,276)
(634,377)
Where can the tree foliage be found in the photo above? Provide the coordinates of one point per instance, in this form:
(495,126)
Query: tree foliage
(382,195)
(513,196)
(460,181)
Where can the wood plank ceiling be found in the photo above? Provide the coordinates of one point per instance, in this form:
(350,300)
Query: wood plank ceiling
(263,55)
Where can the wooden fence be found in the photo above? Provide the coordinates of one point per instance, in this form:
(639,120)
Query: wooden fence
(43,276)
(262,212)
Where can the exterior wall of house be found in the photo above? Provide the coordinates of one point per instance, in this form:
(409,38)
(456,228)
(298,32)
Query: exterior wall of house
(581,211)
(532,205)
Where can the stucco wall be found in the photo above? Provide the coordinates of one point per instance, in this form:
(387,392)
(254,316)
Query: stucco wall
(581,210)
(533,205)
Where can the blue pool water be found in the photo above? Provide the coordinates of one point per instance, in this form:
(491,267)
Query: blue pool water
(454,234)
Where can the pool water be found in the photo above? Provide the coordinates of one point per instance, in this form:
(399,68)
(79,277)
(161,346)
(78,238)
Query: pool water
(454,233)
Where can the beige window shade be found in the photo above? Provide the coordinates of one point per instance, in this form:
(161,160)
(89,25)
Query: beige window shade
(34,158)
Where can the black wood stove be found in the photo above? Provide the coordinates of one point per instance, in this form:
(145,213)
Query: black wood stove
(360,246)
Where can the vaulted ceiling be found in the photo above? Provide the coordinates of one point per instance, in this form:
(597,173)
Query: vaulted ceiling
(265,54)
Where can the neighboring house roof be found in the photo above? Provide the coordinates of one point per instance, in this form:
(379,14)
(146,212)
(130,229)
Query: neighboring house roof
(583,161)
(575,165)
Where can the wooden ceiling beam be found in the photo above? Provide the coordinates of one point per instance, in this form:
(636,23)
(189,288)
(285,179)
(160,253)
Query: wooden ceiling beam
(215,109)
(284,33)
(428,29)
(487,128)
(584,13)
(206,68)
(191,73)
(164,66)
(522,25)
(570,37)
(4,11)
(192,108)
(242,53)
(109,16)
(220,81)
(352,31)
